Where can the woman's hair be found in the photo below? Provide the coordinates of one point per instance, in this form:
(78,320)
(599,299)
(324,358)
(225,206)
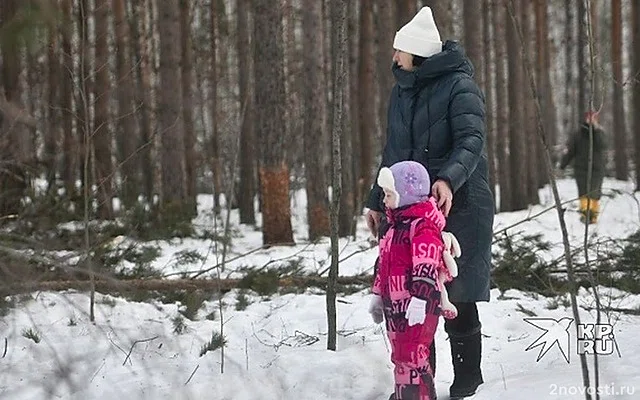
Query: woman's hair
(417,60)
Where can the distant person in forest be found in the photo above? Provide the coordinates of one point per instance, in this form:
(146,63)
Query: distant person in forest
(416,259)
(437,117)
(577,151)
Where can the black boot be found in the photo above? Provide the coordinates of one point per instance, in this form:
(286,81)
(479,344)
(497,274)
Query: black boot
(466,353)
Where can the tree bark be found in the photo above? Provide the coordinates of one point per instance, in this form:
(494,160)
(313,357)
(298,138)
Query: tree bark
(530,123)
(191,157)
(69,141)
(247,138)
(102,134)
(339,46)
(503,161)
(489,83)
(619,124)
(270,103)
(53,107)
(517,146)
(83,113)
(583,64)
(385,31)
(636,88)
(143,98)
(366,94)
(315,123)
(171,125)
(443,15)
(407,10)
(127,133)
(216,163)
(570,99)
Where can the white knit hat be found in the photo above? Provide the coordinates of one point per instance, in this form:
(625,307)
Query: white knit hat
(419,36)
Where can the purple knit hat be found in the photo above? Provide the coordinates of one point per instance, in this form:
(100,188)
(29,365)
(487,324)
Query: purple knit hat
(409,179)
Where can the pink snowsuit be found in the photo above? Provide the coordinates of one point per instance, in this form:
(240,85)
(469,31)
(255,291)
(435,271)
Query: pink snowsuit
(410,258)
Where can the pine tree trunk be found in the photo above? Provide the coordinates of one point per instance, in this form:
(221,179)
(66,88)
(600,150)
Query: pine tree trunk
(339,84)
(571,101)
(69,141)
(216,163)
(83,99)
(443,15)
(171,125)
(583,64)
(127,133)
(102,134)
(473,43)
(315,124)
(407,10)
(530,122)
(619,124)
(385,31)
(348,197)
(366,94)
(247,138)
(191,157)
(502,106)
(13,178)
(517,141)
(636,88)
(270,103)
(543,71)
(142,95)
(489,83)
(53,107)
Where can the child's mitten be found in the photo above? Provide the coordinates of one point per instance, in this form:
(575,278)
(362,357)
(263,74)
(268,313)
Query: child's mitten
(416,311)
(376,308)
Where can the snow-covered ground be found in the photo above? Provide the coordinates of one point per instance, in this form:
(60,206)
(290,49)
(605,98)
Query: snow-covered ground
(276,347)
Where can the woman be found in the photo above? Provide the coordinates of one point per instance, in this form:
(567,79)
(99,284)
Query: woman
(436,117)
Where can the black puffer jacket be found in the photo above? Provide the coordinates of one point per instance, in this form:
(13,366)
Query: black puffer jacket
(436,116)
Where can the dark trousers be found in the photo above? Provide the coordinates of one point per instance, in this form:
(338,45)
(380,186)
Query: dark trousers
(467,322)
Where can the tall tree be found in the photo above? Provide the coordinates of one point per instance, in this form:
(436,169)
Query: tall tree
(141,33)
(529,128)
(102,134)
(636,88)
(366,94)
(170,120)
(53,107)
(517,146)
(127,133)
(13,176)
(502,106)
(83,99)
(489,61)
(406,10)
(443,15)
(216,162)
(348,141)
(385,30)
(473,43)
(315,123)
(270,103)
(191,157)
(619,124)
(570,99)
(69,143)
(583,62)
(543,73)
(339,55)
(247,135)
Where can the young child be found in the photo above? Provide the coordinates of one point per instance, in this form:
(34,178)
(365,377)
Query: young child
(415,261)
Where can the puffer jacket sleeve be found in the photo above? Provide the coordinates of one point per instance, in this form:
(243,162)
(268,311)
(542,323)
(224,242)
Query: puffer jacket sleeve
(467,119)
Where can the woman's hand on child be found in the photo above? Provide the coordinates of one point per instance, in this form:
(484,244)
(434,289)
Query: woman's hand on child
(376,308)
(416,311)
(441,190)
